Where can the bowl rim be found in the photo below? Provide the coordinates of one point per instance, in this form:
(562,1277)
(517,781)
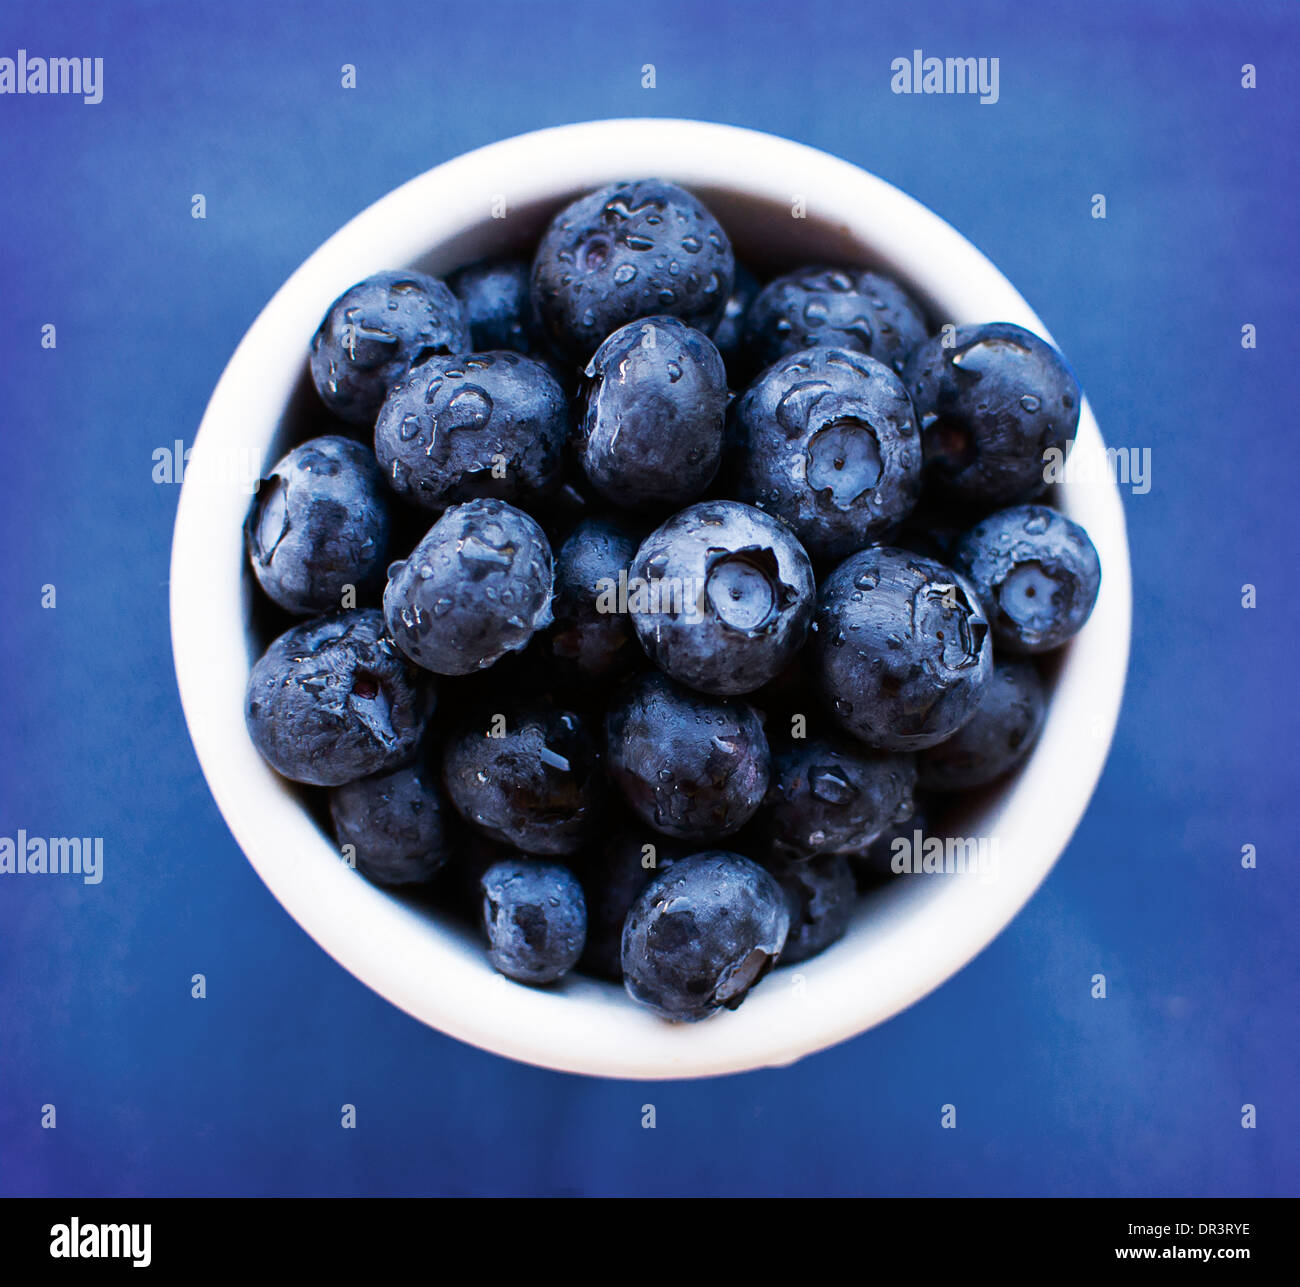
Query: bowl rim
(897,952)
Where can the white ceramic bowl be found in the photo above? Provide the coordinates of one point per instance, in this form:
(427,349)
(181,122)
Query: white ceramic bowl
(902,944)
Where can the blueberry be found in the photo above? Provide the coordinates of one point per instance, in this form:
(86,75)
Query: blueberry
(319,525)
(826,440)
(332,700)
(372,335)
(590,634)
(996,738)
(902,648)
(722,596)
(613,875)
(629,250)
(1036,573)
(526,777)
(651,429)
(820,895)
(842,307)
(394,824)
(832,796)
(476,587)
(729,336)
(690,766)
(458,428)
(702,934)
(992,401)
(535,919)
(494,299)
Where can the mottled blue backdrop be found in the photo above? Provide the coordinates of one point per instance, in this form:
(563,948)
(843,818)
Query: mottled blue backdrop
(1057,1093)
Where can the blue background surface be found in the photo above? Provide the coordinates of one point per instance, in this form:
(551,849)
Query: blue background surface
(1056,1093)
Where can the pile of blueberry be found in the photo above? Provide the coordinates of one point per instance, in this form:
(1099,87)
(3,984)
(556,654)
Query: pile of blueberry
(720,586)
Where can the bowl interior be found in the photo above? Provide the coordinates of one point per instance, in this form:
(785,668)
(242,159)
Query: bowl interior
(782,204)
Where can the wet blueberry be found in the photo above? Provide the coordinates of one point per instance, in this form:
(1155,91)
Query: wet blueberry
(332,700)
(1036,573)
(393,825)
(820,894)
(628,251)
(722,596)
(535,919)
(372,335)
(319,526)
(826,441)
(840,307)
(729,336)
(651,429)
(525,776)
(690,766)
(476,587)
(992,401)
(902,650)
(495,301)
(592,633)
(996,738)
(702,934)
(833,796)
(459,428)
